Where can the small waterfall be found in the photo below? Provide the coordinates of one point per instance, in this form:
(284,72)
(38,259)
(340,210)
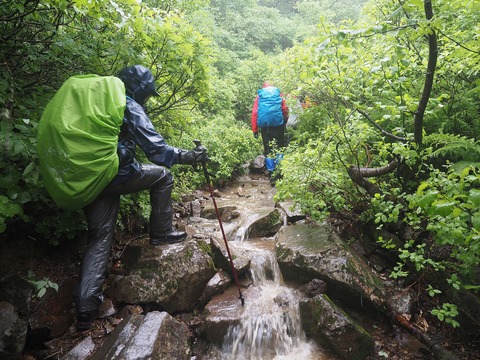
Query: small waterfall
(242,231)
(270,327)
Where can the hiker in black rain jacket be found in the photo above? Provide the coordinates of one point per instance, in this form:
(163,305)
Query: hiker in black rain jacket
(101,214)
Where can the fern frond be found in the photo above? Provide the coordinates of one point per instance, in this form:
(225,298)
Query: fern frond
(453,147)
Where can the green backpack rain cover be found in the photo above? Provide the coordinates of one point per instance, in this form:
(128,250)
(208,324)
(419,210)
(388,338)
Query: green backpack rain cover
(78,136)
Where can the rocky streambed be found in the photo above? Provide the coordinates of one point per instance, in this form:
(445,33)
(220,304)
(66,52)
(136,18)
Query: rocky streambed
(307,294)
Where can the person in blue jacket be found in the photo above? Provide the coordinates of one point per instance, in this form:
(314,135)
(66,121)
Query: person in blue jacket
(133,176)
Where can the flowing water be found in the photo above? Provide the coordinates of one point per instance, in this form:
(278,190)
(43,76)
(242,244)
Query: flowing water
(268,325)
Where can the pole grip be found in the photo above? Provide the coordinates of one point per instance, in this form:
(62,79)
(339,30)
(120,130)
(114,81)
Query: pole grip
(198,145)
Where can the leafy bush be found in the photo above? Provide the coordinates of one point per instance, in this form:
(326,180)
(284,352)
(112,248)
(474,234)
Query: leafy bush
(230,145)
(314,175)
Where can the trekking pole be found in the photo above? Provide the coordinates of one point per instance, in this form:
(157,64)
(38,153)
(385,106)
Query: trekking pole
(198,145)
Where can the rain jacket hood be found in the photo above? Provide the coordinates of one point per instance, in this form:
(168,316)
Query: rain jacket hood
(139,83)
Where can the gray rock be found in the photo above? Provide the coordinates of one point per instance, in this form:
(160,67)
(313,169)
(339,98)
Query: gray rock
(227,212)
(258,163)
(156,335)
(292,211)
(13,331)
(217,284)
(267,225)
(82,351)
(306,252)
(315,287)
(333,328)
(222,261)
(107,309)
(172,276)
(17,291)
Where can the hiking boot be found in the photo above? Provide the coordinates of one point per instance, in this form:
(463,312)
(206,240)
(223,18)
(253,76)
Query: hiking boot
(171,237)
(84,322)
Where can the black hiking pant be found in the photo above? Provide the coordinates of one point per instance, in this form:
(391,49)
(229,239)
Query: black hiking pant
(271,133)
(101,217)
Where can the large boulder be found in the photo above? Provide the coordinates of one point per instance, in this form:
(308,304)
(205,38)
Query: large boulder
(306,252)
(171,276)
(331,327)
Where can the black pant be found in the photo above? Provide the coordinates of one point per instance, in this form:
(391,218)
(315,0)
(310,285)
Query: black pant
(101,217)
(271,133)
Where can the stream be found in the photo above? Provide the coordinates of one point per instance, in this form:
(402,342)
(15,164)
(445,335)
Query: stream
(269,325)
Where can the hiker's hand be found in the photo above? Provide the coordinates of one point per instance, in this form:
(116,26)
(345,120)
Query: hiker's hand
(191,157)
(255,135)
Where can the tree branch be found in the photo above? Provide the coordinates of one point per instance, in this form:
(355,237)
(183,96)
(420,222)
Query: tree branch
(358,175)
(390,135)
(427,88)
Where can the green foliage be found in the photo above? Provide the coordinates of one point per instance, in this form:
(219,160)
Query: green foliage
(447,313)
(447,206)
(314,174)
(230,145)
(454,148)
(377,67)
(41,286)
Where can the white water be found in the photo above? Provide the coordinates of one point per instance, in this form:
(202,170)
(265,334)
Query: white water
(270,326)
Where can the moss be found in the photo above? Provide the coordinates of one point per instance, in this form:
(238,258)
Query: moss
(274,218)
(205,247)
(189,252)
(149,269)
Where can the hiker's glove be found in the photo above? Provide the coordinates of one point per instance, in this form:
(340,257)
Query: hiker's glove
(255,135)
(190,157)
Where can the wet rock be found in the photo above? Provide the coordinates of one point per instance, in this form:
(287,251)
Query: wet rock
(16,291)
(195,208)
(106,309)
(267,225)
(82,351)
(315,287)
(332,327)
(54,315)
(13,331)
(292,211)
(222,312)
(119,338)
(222,260)
(227,213)
(155,336)
(186,198)
(258,164)
(266,327)
(172,276)
(306,252)
(217,284)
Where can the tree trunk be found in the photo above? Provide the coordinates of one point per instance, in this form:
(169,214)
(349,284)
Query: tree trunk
(427,88)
